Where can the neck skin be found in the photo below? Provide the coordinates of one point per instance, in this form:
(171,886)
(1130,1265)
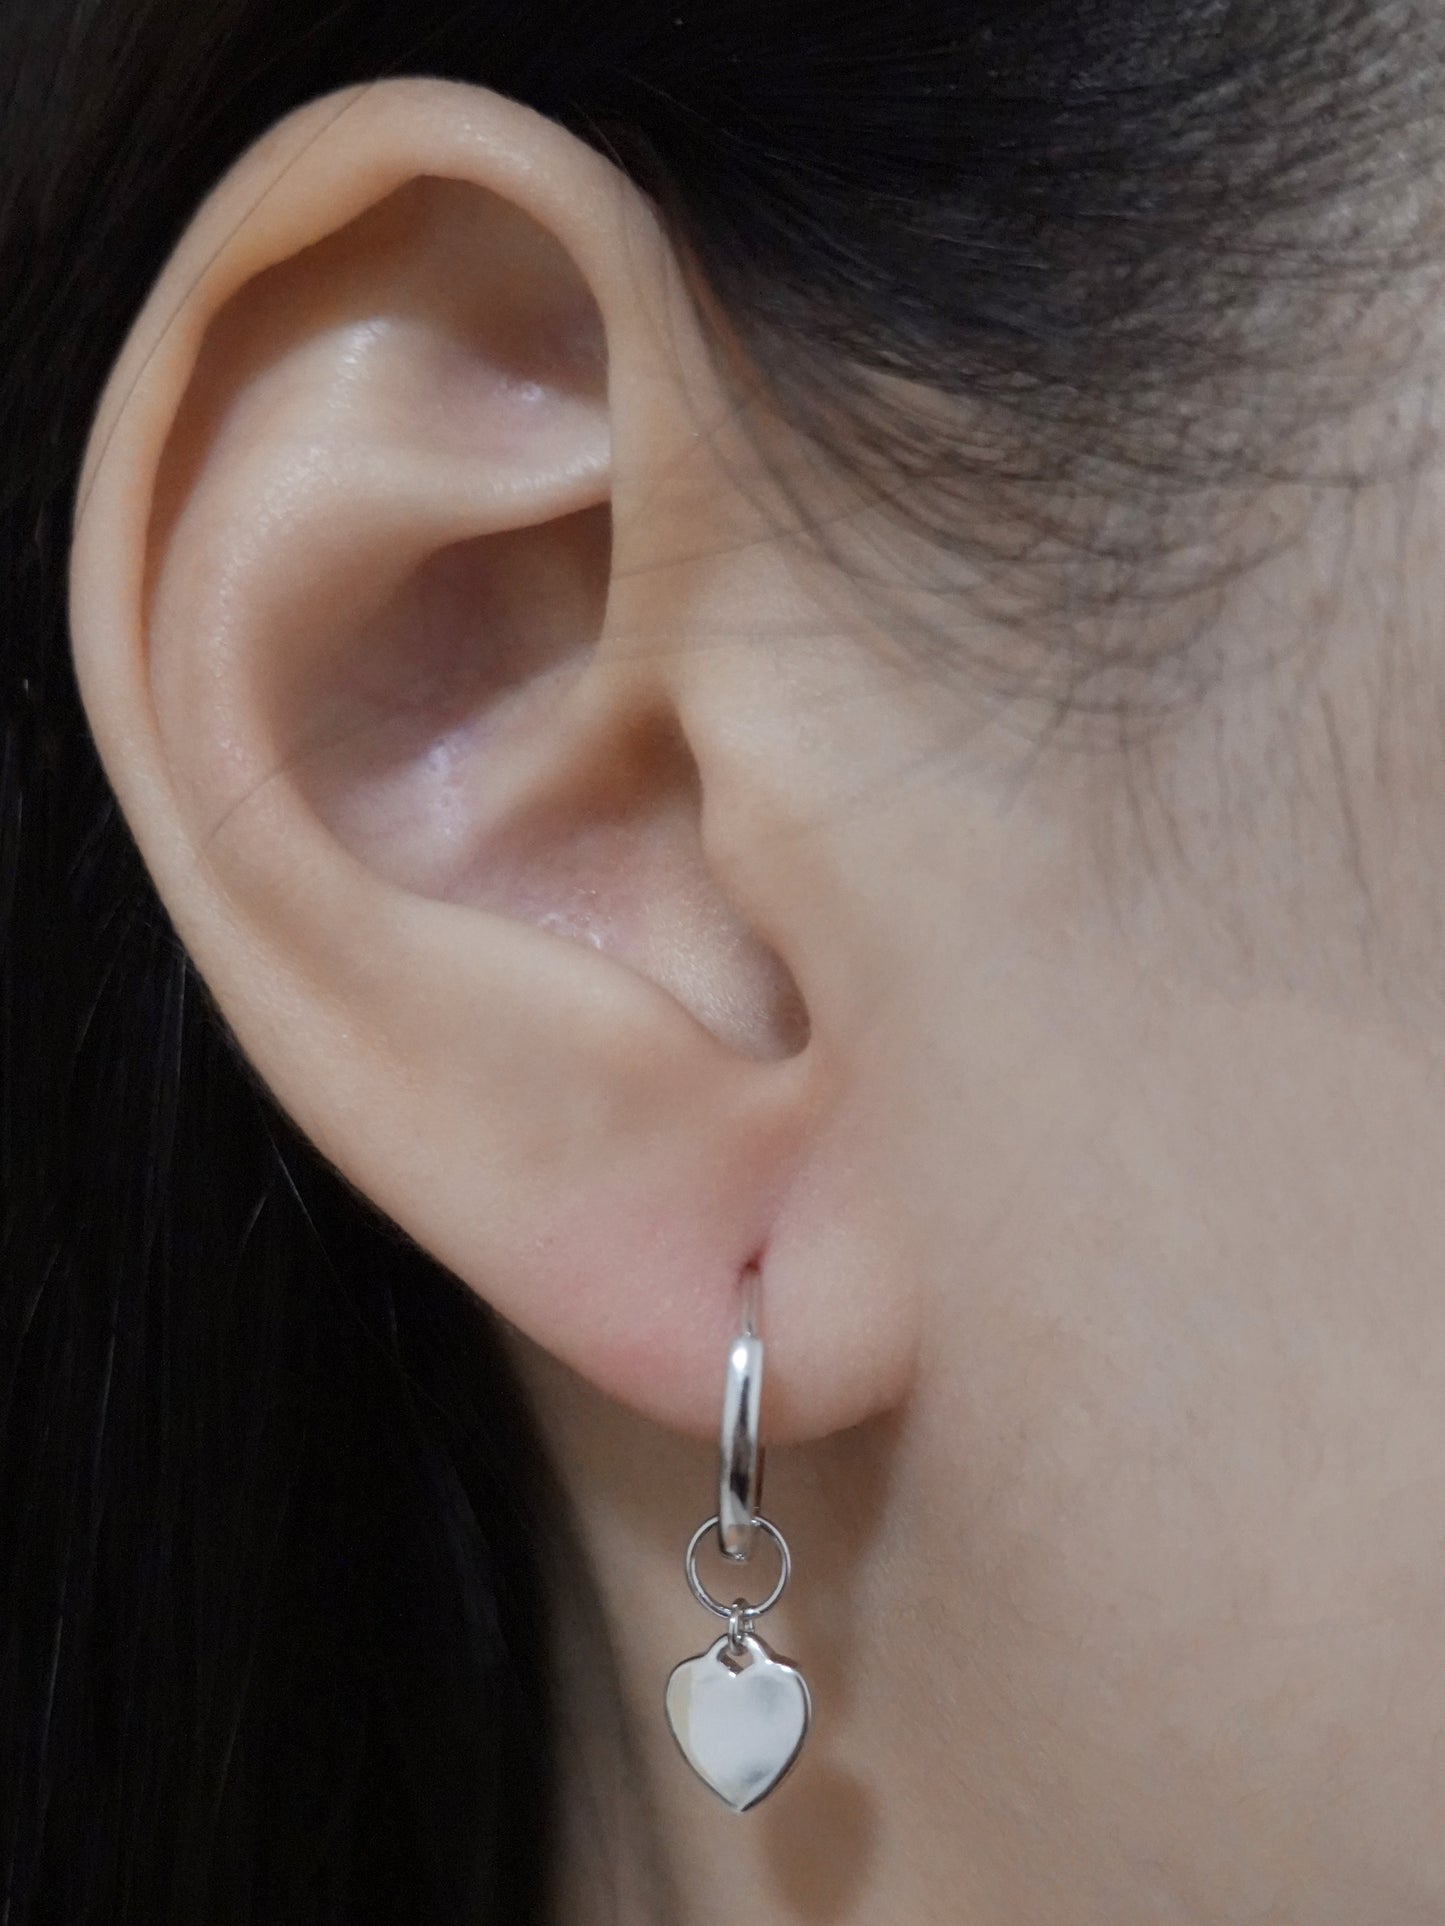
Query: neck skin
(1129,1611)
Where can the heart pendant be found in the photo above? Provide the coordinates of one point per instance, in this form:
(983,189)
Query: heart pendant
(740,1716)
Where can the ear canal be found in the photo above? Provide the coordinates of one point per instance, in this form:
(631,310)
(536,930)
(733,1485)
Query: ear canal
(614,858)
(408,422)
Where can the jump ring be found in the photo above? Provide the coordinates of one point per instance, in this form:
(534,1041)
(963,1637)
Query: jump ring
(704,1597)
(740,1625)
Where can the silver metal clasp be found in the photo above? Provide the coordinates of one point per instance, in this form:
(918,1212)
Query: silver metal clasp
(740,1467)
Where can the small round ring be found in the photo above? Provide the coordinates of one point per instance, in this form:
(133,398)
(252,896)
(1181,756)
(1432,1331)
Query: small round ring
(704,1597)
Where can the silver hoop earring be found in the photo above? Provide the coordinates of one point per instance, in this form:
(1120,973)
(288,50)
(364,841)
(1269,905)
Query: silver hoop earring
(740,1713)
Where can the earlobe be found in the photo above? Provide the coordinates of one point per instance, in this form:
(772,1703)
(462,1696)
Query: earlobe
(345,619)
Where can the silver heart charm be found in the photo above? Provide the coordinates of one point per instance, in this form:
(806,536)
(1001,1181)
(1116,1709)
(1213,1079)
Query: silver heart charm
(740,1724)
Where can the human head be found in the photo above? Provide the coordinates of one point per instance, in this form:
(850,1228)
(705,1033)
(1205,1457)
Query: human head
(887,628)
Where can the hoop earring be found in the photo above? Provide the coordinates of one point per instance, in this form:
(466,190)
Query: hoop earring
(739,1713)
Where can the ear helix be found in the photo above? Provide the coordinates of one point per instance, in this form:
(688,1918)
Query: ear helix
(738,1712)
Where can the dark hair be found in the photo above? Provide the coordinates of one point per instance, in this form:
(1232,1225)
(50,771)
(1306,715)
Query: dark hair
(275,1528)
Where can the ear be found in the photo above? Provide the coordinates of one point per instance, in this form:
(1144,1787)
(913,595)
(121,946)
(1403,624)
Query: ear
(403,506)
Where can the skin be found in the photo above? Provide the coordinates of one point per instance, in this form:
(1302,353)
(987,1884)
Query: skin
(616,893)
